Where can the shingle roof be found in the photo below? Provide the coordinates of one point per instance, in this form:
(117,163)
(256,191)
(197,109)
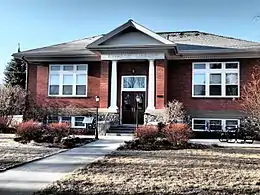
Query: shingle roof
(207,39)
(72,47)
(185,40)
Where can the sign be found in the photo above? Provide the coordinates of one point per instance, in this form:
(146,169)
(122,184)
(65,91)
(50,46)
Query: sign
(88,120)
(133,56)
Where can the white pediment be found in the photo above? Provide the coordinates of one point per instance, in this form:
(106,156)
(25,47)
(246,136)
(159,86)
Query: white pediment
(129,34)
(131,39)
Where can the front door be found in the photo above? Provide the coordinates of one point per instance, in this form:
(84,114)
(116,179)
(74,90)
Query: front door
(133,107)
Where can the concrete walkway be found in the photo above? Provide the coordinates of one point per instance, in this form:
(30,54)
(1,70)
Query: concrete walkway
(256,144)
(33,176)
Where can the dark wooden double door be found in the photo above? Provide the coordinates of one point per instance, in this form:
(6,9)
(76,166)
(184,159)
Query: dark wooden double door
(133,112)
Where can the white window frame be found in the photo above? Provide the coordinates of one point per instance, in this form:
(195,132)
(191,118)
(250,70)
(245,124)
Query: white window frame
(62,72)
(223,122)
(133,89)
(223,71)
(72,124)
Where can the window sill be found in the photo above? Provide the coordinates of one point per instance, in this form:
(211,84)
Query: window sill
(218,97)
(68,96)
(75,127)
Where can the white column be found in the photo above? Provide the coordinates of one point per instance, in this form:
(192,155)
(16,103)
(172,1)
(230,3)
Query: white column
(113,94)
(151,87)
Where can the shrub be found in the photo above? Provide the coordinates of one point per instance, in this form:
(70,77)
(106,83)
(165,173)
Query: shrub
(58,130)
(177,134)
(147,133)
(3,124)
(173,112)
(29,130)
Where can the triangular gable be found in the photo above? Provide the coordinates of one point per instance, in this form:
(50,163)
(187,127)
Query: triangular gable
(130,33)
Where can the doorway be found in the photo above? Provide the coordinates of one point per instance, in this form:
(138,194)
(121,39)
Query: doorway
(133,88)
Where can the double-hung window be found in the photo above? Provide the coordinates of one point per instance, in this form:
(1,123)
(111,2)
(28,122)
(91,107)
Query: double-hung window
(215,79)
(68,80)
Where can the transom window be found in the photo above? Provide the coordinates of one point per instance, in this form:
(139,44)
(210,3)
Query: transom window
(68,80)
(133,83)
(75,121)
(204,124)
(215,79)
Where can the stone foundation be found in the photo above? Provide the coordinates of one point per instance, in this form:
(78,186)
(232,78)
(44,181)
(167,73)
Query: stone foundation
(153,117)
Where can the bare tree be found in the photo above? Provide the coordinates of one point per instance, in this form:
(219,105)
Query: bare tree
(174,112)
(12,101)
(250,99)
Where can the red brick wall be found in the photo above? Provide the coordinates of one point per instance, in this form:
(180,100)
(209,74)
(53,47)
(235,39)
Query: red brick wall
(32,77)
(160,83)
(180,86)
(104,84)
(38,85)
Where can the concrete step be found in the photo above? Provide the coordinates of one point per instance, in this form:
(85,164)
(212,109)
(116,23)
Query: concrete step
(121,130)
(119,134)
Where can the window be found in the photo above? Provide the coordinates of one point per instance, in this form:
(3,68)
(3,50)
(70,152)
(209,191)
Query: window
(78,122)
(133,83)
(68,80)
(204,124)
(53,119)
(75,121)
(215,79)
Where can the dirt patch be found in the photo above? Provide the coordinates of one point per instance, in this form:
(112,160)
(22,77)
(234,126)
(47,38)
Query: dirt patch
(203,171)
(161,144)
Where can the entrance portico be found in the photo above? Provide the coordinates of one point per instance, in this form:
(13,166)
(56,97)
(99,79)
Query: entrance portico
(133,43)
(115,58)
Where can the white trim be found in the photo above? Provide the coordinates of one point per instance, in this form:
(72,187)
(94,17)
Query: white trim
(62,72)
(72,124)
(113,95)
(132,56)
(130,90)
(223,122)
(223,71)
(151,87)
(150,33)
(130,23)
(133,89)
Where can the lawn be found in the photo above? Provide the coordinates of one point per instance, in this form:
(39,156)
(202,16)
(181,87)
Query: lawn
(13,153)
(187,171)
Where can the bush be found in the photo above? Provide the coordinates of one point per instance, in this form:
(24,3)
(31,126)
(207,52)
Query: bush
(173,112)
(29,130)
(3,124)
(58,131)
(147,133)
(177,134)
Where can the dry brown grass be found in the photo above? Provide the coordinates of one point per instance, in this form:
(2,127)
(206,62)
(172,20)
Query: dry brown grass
(208,171)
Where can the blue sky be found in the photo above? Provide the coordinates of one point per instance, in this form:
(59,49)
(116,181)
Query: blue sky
(37,23)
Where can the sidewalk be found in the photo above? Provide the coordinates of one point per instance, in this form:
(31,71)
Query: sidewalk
(33,176)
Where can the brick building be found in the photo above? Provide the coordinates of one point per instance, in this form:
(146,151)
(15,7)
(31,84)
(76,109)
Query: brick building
(204,71)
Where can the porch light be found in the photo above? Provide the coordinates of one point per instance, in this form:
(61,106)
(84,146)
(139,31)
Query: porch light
(138,99)
(97,99)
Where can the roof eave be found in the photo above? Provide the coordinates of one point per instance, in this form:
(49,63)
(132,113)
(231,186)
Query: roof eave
(136,47)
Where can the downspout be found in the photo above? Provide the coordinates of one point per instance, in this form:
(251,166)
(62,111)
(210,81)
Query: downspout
(26,72)
(26,86)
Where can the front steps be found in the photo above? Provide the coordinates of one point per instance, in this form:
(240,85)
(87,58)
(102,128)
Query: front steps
(121,130)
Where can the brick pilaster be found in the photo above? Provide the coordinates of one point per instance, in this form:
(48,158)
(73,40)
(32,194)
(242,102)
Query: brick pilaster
(104,84)
(161,84)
